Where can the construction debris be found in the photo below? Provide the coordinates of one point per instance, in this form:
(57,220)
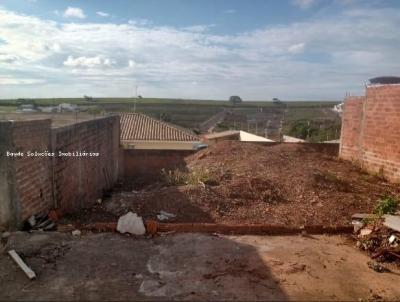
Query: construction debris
(26,269)
(131,223)
(5,235)
(392,222)
(357,225)
(380,241)
(164,216)
(40,222)
(379,268)
(365,232)
(76,233)
(393,240)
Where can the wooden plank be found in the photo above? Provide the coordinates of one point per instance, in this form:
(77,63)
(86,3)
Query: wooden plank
(392,221)
(30,273)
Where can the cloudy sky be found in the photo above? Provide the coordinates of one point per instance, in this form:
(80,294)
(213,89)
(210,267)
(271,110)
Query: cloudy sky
(258,49)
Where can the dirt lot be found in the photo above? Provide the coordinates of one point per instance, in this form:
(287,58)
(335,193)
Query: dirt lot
(190,267)
(287,184)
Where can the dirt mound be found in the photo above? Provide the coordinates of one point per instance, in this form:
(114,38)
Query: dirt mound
(296,184)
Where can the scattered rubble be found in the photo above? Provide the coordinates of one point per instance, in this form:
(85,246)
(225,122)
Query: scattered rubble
(379,268)
(164,216)
(378,239)
(41,222)
(5,235)
(131,223)
(365,232)
(76,233)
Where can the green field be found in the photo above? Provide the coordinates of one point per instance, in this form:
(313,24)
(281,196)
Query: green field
(189,113)
(162,101)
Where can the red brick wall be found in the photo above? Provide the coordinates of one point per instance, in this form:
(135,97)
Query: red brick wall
(375,142)
(146,165)
(79,181)
(36,184)
(32,174)
(350,147)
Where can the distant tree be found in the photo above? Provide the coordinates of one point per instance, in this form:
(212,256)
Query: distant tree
(165,117)
(277,101)
(234,99)
(88,98)
(139,96)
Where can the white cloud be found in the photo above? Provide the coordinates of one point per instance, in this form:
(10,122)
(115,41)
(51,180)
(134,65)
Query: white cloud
(296,48)
(8,58)
(74,12)
(199,28)
(131,63)
(338,54)
(10,80)
(102,14)
(304,4)
(140,22)
(87,62)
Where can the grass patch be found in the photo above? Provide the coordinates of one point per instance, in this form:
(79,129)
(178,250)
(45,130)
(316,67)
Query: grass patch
(178,177)
(386,205)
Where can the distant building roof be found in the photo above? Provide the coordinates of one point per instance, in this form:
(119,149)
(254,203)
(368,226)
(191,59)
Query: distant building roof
(243,136)
(291,139)
(222,134)
(140,127)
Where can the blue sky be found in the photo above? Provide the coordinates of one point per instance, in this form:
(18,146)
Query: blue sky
(259,49)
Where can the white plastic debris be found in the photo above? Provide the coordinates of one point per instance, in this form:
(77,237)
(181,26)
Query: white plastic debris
(392,239)
(131,223)
(32,221)
(76,233)
(163,216)
(5,235)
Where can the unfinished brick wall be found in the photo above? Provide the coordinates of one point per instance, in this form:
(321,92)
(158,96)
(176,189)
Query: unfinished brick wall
(371,131)
(35,184)
(79,181)
(33,177)
(25,180)
(351,128)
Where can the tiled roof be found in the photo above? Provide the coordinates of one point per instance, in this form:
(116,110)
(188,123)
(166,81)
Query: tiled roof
(137,126)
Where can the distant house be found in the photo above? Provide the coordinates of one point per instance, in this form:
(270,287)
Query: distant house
(66,107)
(26,108)
(139,131)
(338,108)
(48,109)
(237,135)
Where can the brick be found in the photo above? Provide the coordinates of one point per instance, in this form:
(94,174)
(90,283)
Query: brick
(370,130)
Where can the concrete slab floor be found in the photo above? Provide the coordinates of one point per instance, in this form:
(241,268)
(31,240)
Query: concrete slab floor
(190,267)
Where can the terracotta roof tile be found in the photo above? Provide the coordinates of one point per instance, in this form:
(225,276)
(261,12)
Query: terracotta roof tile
(137,126)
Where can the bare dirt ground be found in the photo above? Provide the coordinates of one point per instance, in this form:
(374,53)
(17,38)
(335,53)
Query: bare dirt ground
(190,267)
(285,184)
